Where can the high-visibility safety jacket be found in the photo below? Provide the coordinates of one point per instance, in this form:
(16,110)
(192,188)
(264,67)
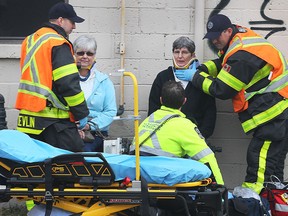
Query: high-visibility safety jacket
(36,85)
(276,70)
(177,137)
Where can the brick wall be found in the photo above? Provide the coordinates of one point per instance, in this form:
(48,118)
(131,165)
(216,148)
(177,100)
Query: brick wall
(150,28)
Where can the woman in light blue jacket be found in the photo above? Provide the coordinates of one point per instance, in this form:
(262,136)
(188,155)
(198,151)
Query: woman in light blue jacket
(99,94)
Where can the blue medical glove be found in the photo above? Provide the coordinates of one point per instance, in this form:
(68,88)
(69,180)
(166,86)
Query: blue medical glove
(82,123)
(187,74)
(194,65)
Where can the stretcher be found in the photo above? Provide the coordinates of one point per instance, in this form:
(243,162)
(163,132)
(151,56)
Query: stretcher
(101,184)
(106,184)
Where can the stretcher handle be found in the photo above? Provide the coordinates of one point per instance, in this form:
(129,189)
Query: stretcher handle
(78,156)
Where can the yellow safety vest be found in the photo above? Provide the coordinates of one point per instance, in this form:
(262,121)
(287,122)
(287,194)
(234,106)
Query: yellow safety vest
(176,138)
(277,68)
(35,87)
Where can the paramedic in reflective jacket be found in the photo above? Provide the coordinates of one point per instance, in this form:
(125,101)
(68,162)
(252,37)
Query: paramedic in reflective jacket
(177,136)
(253,73)
(49,95)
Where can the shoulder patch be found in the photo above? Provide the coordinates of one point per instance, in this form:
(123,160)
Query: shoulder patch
(226,68)
(199,133)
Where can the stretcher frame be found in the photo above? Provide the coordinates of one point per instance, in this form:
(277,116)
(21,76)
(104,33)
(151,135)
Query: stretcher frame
(71,183)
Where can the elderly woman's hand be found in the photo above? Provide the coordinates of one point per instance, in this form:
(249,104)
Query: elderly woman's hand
(81,134)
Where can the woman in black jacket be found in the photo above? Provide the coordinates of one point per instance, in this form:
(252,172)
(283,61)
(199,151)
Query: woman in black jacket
(199,107)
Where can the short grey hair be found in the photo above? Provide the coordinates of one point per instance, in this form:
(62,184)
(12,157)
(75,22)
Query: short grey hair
(184,42)
(85,42)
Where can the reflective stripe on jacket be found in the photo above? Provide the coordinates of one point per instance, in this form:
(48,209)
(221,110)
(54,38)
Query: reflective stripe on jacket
(277,67)
(178,137)
(252,71)
(276,70)
(35,86)
(49,87)
(36,122)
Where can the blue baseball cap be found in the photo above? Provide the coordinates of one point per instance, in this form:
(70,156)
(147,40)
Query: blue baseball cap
(64,10)
(216,25)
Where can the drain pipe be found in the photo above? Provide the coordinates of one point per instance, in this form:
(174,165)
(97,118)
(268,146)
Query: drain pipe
(122,59)
(199,27)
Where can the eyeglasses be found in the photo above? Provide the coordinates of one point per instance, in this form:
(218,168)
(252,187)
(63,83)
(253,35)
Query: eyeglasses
(82,53)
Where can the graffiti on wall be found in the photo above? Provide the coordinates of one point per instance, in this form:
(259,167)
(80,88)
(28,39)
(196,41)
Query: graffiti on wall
(275,25)
(267,20)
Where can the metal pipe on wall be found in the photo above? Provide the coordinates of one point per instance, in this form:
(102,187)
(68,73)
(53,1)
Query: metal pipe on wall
(122,58)
(199,27)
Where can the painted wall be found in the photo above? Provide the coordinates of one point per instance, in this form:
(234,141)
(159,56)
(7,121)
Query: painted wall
(150,28)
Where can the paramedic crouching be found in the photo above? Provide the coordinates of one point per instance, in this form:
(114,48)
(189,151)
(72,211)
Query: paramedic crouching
(166,132)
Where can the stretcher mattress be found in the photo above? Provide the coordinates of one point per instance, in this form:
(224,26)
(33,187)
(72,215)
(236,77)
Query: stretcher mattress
(19,147)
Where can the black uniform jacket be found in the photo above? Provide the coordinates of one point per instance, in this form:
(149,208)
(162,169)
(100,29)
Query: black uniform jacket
(199,107)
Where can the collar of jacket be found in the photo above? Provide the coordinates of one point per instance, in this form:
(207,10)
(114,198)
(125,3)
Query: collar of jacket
(57,28)
(174,111)
(235,31)
(98,74)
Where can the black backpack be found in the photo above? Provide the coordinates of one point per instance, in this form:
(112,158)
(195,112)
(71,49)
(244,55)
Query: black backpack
(239,206)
